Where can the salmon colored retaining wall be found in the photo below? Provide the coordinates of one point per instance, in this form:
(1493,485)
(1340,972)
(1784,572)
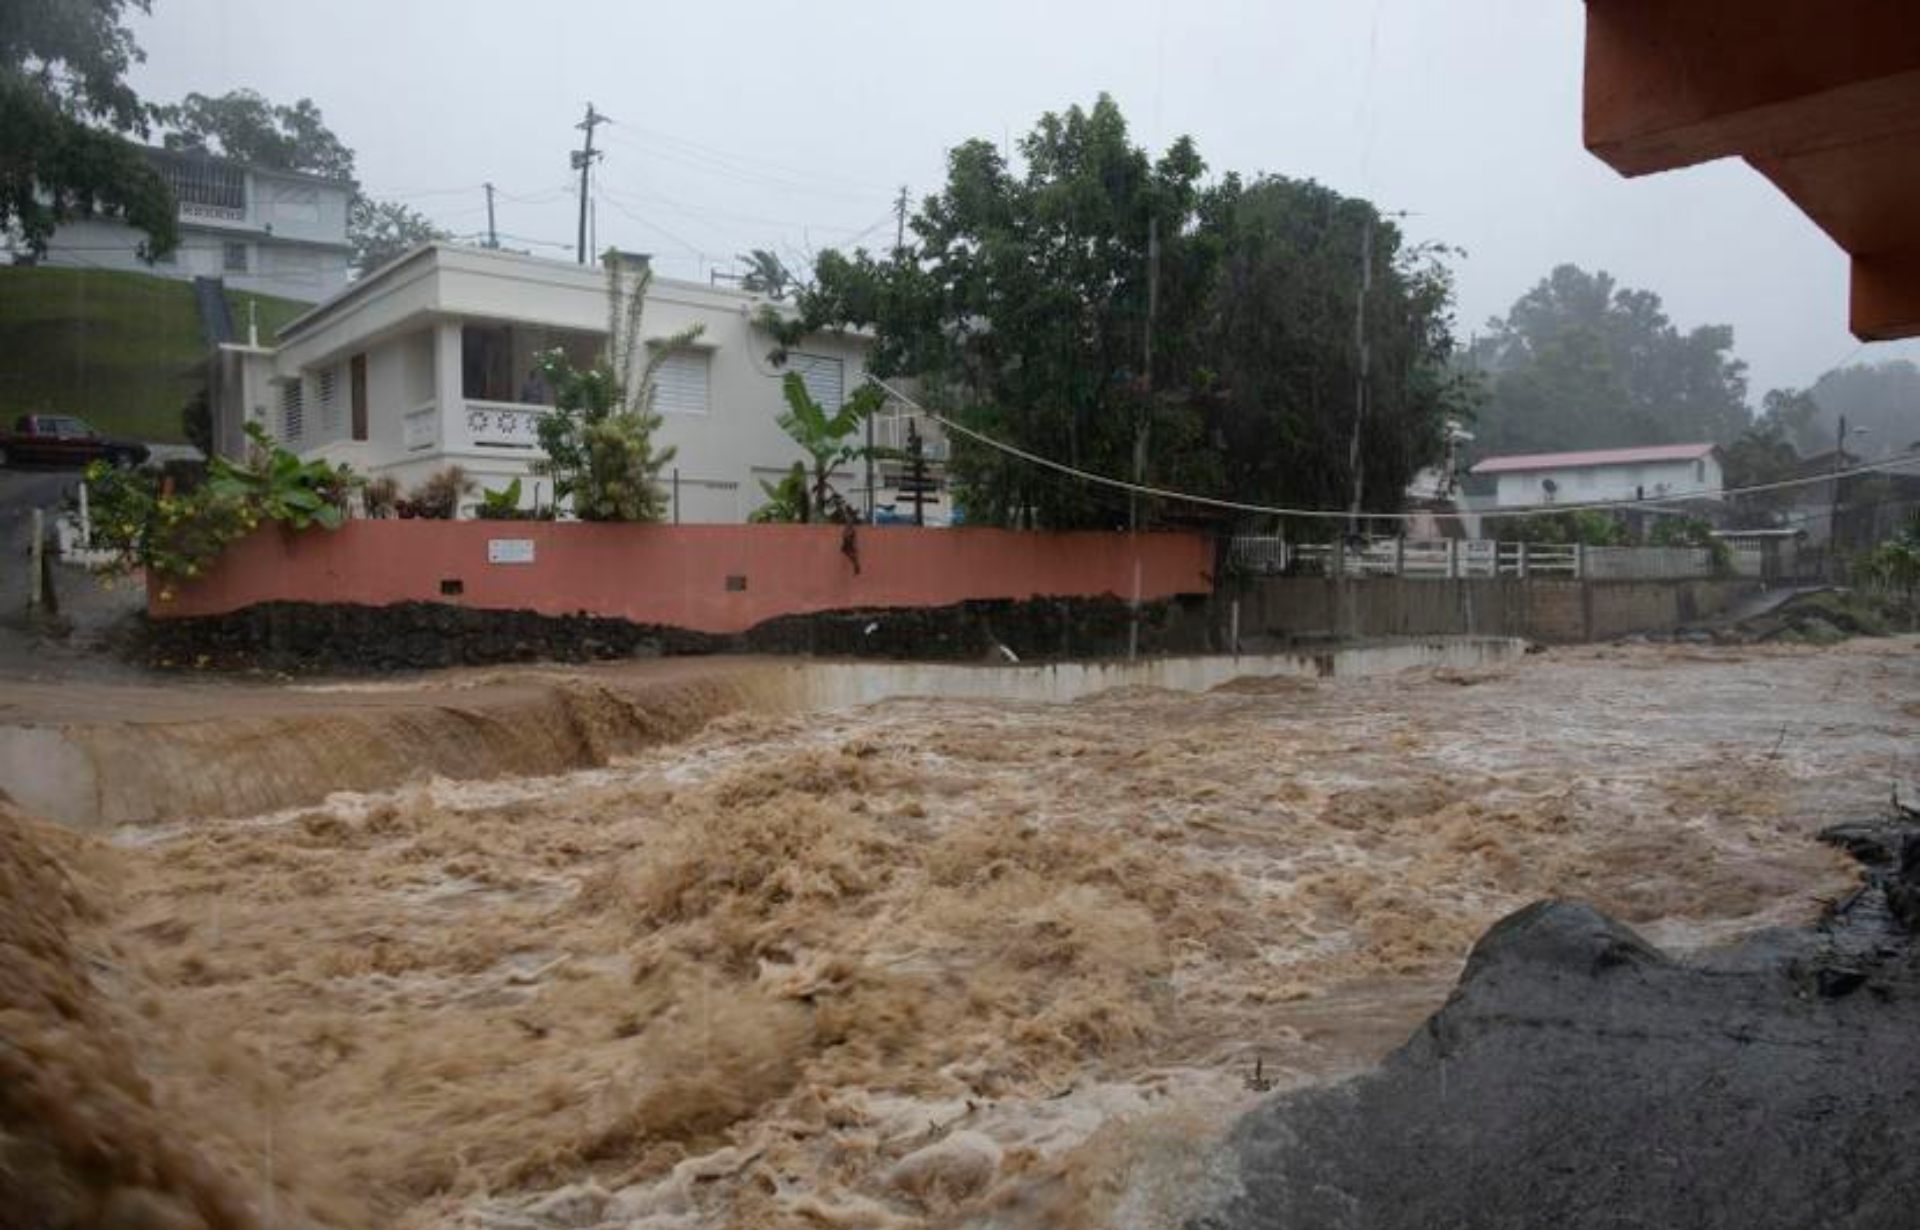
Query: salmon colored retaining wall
(705,578)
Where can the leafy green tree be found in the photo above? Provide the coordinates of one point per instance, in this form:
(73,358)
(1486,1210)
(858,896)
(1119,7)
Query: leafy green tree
(1581,362)
(1760,455)
(1895,565)
(598,436)
(383,231)
(1277,345)
(829,442)
(1884,398)
(64,103)
(1098,306)
(1792,417)
(243,125)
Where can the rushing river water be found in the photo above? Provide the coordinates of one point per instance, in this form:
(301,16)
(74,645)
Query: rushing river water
(928,961)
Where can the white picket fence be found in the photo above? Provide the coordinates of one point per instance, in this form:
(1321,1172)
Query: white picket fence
(1442,558)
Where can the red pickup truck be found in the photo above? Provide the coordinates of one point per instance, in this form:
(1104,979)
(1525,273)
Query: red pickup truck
(62,440)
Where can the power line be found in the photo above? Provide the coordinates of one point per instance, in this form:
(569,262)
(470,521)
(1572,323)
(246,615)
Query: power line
(745,164)
(1340,514)
(693,160)
(650,224)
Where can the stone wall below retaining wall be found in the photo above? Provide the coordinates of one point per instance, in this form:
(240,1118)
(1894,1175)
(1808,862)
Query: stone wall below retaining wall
(308,637)
(1555,611)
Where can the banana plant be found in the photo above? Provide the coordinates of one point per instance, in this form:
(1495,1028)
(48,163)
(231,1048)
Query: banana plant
(828,441)
(282,487)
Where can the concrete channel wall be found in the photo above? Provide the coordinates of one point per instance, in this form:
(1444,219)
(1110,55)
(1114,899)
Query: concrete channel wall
(204,750)
(1553,611)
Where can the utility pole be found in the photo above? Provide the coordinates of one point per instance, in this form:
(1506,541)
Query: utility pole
(583,159)
(916,484)
(1140,430)
(1833,505)
(913,438)
(1361,358)
(493,236)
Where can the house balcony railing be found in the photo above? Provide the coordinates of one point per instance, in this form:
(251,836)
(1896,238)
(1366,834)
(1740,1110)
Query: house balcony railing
(420,428)
(505,425)
(196,210)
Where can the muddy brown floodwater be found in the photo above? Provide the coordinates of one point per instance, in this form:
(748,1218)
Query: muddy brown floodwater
(923,963)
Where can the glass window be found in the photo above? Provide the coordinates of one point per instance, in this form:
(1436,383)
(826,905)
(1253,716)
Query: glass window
(486,362)
(235,257)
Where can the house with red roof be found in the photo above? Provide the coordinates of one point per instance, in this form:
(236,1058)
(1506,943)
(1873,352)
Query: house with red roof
(1668,472)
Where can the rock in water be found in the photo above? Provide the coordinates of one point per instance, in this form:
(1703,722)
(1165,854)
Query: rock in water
(1580,1078)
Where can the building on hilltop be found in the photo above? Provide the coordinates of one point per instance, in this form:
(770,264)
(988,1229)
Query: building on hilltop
(272,232)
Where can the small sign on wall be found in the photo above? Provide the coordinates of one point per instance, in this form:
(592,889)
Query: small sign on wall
(509,550)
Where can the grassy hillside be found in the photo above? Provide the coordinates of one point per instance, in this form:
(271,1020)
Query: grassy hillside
(121,350)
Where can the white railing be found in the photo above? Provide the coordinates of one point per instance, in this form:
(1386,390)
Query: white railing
(420,427)
(890,432)
(504,424)
(1445,558)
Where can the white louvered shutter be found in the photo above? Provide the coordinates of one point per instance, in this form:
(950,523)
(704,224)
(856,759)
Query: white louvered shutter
(680,383)
(824,377)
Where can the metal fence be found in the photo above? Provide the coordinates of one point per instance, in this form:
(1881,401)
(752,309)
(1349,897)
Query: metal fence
(1442,558)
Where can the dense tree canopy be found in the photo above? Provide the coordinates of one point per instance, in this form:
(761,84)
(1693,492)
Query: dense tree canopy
(1103,308)
(64,103)
(243,125)
(381,231)
(1884,398)
(1580,362)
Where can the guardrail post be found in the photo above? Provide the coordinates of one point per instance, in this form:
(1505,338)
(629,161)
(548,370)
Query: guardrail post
(1400,556)
(1453,558)
(1579,561)
(1521,561)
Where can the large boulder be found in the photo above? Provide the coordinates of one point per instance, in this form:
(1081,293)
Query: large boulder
(1578,1077)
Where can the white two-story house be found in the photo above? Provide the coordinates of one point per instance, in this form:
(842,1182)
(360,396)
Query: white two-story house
(273,232)
(1657,472)
(427,362)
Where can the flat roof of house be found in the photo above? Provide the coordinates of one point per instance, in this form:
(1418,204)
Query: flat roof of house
(438,251)
(1593,457)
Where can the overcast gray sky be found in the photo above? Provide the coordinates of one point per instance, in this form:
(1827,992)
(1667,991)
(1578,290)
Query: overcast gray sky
(764,123)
